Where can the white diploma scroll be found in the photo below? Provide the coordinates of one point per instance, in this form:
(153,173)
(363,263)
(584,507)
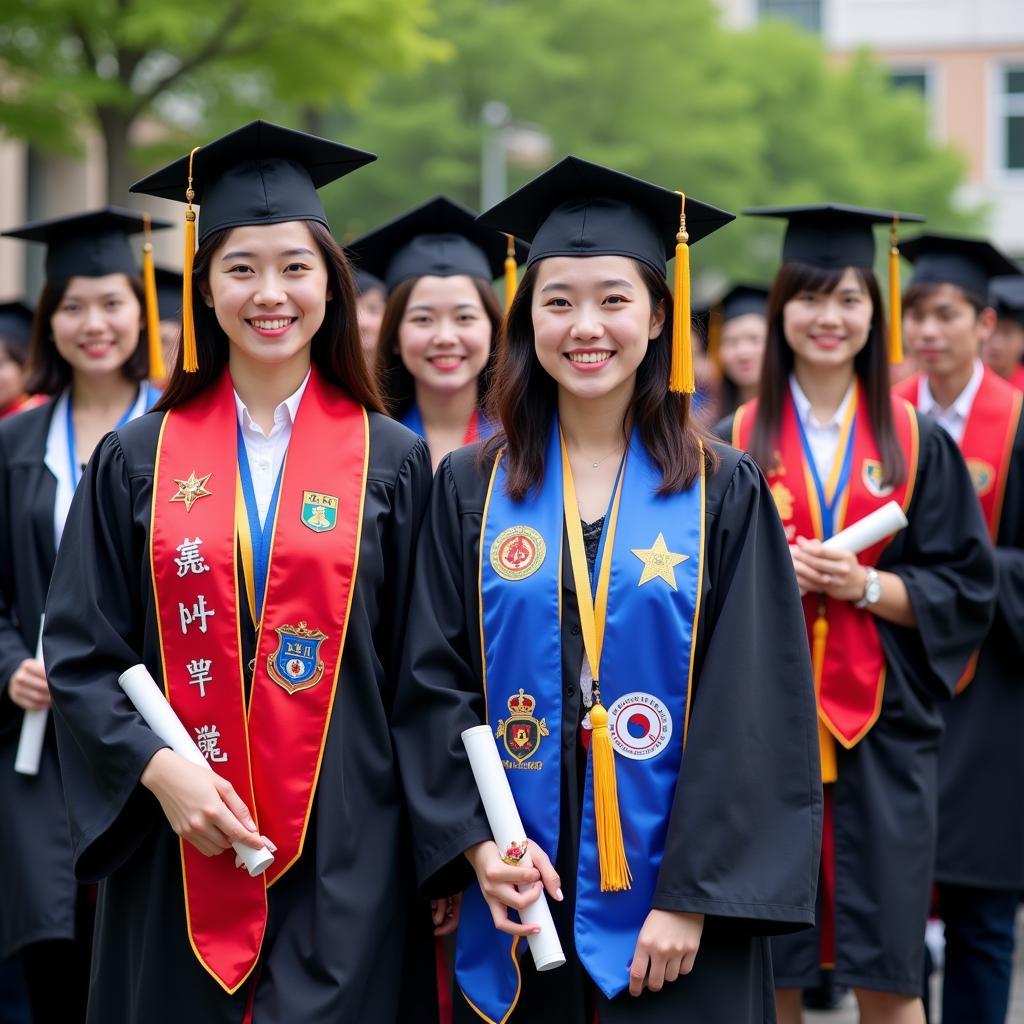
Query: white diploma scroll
(150,702)
(875,526)
(507,828)
(33,728)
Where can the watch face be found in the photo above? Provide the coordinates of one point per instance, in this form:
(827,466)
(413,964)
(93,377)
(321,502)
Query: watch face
(873,591)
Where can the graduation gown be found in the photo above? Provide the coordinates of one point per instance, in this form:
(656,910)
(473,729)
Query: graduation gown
(334,950)
(884,804)
(743,837)
(37,884)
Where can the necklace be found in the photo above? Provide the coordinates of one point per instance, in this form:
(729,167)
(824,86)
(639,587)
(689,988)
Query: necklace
(604,457)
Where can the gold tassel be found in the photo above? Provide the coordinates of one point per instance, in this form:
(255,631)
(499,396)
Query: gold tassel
(895,299)
(611,851)
(189,352)
(681,378)
(157,370)
(510,273)
(826,741)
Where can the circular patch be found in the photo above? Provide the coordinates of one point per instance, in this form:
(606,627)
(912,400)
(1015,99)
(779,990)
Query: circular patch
(517,552)
(640,725)
(983,476)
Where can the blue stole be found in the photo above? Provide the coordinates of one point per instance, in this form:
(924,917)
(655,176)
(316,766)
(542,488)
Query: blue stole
(479,427)
(648,643)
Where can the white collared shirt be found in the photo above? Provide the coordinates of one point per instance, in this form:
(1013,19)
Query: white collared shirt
(954,419)
(823,438)
(266,452)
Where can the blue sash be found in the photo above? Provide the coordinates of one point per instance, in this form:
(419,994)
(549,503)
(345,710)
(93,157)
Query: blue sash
(648,643)
(480,427)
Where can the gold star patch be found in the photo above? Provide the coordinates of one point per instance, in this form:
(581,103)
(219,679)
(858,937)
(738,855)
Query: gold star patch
(191,490)
(659,562)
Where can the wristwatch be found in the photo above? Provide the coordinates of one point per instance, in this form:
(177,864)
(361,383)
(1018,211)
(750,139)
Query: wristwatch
(872,589)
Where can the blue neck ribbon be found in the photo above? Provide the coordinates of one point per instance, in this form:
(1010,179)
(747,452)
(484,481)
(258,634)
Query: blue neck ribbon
(261,534)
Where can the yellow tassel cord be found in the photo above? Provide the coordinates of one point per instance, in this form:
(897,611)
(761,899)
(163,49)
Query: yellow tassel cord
(189,352)
(681,378)
(826,741)
(510,273)
(611,850)
(157,370)
(895,299)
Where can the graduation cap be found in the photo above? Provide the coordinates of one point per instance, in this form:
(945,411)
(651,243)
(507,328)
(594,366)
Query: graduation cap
(579,208)
(952,259)
(1006,296)
(95,244)
(260,173)
(168,292)
(440,238)
(16,326)
(366,282)
(738,301)
(832,236)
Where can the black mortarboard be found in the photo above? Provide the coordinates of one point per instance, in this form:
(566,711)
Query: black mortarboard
(831,235)
(1006,296)
(366,282)
(260,173)
(742,299)
(441,238)
(952,259)
(168,292)
(90,244)
(579,208)
(16,326)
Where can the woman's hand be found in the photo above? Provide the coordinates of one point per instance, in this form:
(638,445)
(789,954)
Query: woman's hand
(822,570)
(499,881)
(666,948)
(200,806)
(445,914)
(27,686)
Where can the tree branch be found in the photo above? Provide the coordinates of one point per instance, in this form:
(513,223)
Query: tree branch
(87,48)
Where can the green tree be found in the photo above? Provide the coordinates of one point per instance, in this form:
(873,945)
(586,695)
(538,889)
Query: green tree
(191,63)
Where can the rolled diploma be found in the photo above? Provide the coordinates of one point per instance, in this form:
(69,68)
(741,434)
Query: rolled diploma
(150,702)
(875,526)
(507,828)
(33,728)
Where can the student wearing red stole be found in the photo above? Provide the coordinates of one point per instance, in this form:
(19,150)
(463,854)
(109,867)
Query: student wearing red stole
(250,542)
(890,629)
(435,350)
(1003,348)
(979,866)
(611,594)
(89,359)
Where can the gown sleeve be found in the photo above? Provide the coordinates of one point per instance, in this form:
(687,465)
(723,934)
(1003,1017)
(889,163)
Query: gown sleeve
(12,645)
(945,558)
(744,834)
(439,696)
(93,632)
(1010,556)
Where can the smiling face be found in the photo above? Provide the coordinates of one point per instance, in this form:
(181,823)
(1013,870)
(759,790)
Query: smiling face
(267,286)
(741,349)
(944,331)
(592,323)
(828,329)
(444,338)
(96,324)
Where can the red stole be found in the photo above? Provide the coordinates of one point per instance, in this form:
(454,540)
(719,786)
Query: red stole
(987,444)
(849,687)
(1017,378)
(270,751)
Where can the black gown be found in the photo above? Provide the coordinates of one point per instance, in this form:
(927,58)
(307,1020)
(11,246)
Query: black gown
(885,802)
(37,884)
(981,766)
(345,941)
(743,838)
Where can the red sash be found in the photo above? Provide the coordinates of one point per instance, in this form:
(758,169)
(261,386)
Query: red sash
(1017,377)
(272,760)
(849,687)
(987,444)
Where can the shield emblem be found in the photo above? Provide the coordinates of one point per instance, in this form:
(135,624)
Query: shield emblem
(522,732)
(319,511)
(872,477)
(983,476)
(295,664)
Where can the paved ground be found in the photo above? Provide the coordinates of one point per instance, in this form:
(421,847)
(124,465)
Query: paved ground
(848,1014)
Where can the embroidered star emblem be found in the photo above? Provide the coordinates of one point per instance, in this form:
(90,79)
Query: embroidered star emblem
(191,490)
(659,562)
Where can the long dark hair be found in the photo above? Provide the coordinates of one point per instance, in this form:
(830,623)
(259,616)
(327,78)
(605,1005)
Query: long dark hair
(48,372)
(523,399)
(396,382)
(871,365)
(336,352)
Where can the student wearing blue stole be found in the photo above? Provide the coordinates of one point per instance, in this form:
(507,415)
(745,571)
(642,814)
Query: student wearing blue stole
(435,350)
(88,356)
(611,593)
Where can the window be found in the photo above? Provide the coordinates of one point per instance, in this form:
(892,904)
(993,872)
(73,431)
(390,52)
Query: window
(910,78)
(806,13)
(1012,118)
